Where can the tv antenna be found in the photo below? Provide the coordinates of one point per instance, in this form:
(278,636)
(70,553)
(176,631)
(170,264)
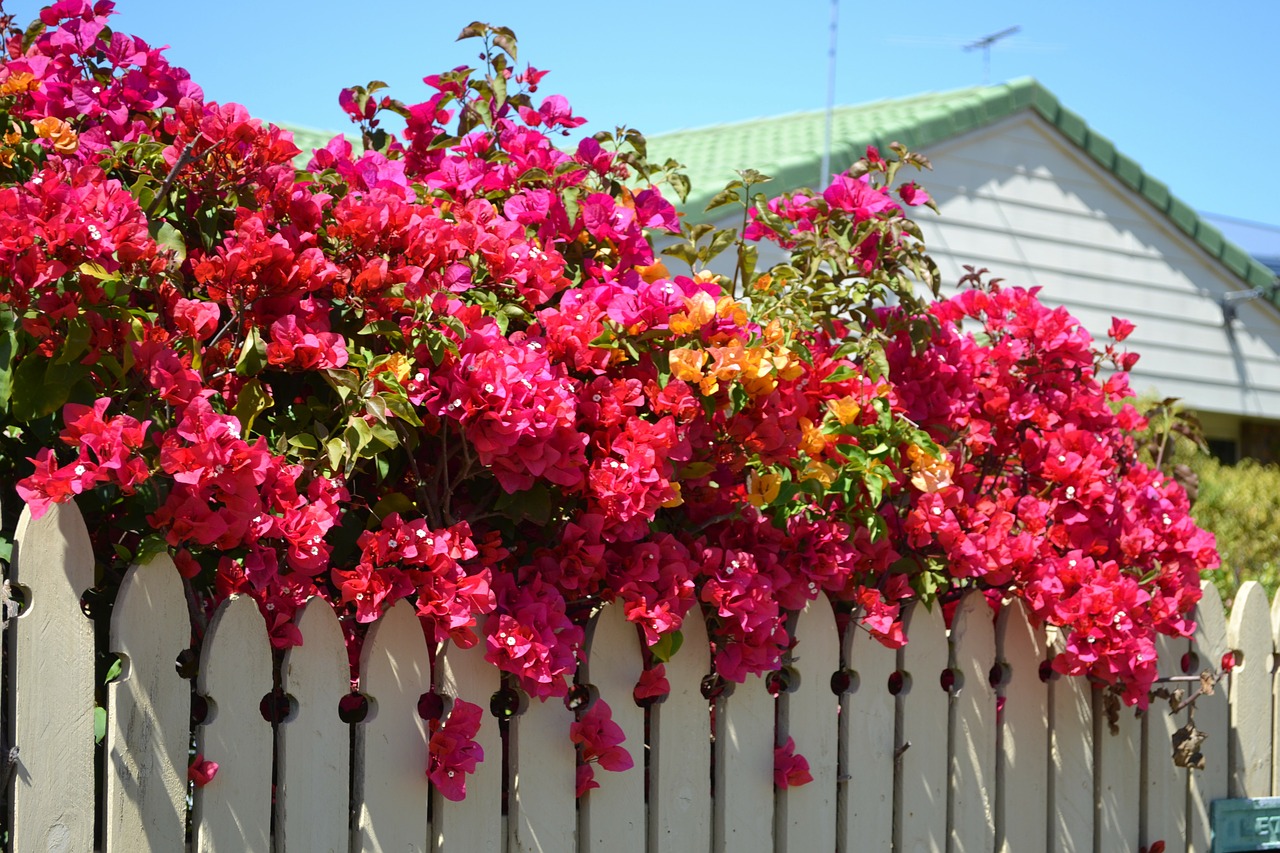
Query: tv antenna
(984,44)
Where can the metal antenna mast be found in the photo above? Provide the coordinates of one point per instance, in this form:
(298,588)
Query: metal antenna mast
(985,44)
(831,93)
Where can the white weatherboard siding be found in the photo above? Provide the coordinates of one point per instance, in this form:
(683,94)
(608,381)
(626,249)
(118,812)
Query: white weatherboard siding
(1023,202)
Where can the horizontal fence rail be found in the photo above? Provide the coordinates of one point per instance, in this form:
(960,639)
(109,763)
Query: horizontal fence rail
(961,741)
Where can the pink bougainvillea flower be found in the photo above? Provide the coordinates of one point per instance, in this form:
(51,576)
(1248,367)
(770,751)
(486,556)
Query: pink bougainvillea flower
(201,771)
(1120,329)
(453,753)
(790,770)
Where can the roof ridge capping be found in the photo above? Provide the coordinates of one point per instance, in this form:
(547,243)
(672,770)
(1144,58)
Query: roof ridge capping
(918,121)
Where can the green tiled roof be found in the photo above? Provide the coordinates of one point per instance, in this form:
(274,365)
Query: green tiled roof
(789,148)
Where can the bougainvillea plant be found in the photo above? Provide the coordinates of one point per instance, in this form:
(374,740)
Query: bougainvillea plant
(449,364)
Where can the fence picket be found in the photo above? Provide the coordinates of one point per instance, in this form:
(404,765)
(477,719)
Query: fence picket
(1071,756)
(866,744)
(809,714)
(314,744)
(543,811)
(744,807)
(1022,780)
(391,744)
(612,816)
(1165,815)
(148,713)
(680,754)
(1212,716)
(233,811)
(1118,759)
(473,824)
(53,799)
(1249,633)
(1275,696)
(971,707)
(920,819)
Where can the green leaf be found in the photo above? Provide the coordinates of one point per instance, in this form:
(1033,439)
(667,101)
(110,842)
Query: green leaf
(719,242)
(8,345)
(78,336)
(41,388)
(345,382)
(403,410)
(505,39)
(475,29)
(253,355)
(170,238)
(99,723)
(680,184)
(667,646)
(114,671)
(530,505)
(720,199)
(305,441)
(254,399)
(394,502)
(840,374)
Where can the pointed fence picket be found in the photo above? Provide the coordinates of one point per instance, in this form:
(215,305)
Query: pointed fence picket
(972,801)
(1022,771)
(391,743)
(149,713)
(314,758)
(894,754)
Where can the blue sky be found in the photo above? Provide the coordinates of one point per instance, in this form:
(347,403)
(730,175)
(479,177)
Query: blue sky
(1190,94)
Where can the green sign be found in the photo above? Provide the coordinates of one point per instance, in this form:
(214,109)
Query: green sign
(1245,824)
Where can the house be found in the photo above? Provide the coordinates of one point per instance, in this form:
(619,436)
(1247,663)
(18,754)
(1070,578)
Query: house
(1028,190)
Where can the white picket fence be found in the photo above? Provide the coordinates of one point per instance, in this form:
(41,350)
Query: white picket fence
(919,769)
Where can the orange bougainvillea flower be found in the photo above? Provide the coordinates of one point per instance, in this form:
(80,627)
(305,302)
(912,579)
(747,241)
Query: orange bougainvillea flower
(18,82)
(845,409)
(58,132)
(812,439)
(728,308)
(687,363)
(763,489)
(657,271)
(699,310)
(927,473)
(820,471)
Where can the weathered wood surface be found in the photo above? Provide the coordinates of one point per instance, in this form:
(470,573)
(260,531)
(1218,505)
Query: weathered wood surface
(1213,717)
(809,715)
(920,780)
(612,817)
(1022,786)
(51,667)
(867,714)
(233,811)
(1118,758)
(744,808)
(148,713)
(543,809)
(1249,634)
(391,744)
(680,759)
(1071,760)
(1165,818)
(973,781)
(469,825)
(313,785)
